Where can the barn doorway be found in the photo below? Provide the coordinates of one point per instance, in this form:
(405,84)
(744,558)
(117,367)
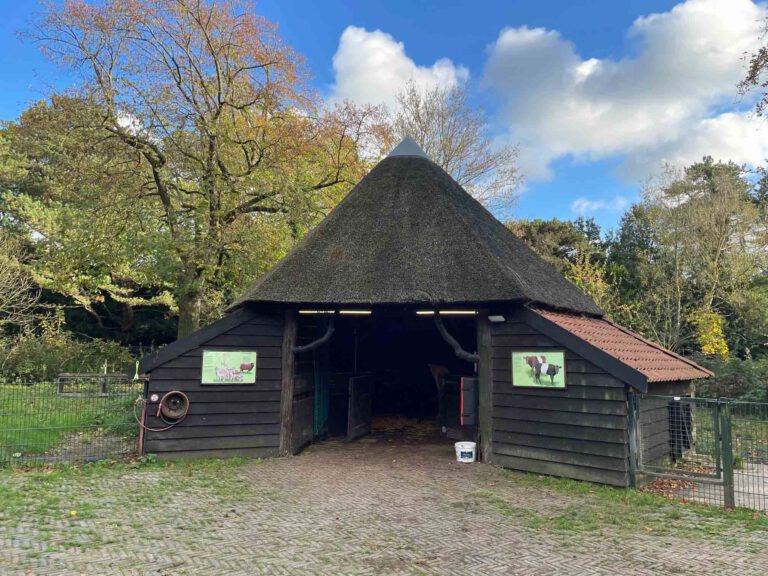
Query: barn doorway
(391,375)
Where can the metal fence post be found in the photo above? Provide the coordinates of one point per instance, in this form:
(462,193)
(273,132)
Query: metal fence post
(729,497)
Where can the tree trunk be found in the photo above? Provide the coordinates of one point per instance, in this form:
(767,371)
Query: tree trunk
(190,303)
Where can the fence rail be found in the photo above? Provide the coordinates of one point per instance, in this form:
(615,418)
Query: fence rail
(76,419)
(713,451)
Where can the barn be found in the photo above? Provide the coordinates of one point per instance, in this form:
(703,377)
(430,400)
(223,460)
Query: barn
(411,298)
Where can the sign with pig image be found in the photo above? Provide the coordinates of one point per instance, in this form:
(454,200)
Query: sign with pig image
(230,367)
(538,369)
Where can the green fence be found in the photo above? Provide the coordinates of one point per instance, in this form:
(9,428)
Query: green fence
(706,450)
(76,419)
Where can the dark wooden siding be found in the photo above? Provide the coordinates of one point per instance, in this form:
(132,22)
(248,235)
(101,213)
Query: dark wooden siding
(223,420)
(654,420)
(579,432)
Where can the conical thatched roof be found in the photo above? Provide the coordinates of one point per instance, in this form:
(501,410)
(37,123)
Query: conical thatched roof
(409,234)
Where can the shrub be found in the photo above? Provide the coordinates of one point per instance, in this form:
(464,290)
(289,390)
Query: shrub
(43,353)
(743,379)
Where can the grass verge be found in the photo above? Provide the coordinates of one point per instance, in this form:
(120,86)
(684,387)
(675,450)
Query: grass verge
(620,512)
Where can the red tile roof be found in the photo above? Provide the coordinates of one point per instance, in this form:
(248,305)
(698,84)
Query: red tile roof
(656,363)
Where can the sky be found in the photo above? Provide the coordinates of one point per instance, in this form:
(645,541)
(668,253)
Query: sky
(597,94)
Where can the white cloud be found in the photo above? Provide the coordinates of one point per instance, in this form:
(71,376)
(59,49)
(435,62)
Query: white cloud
(584,206)
(655,106)
(372,67)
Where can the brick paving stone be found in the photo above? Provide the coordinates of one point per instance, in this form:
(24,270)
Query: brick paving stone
(367,508)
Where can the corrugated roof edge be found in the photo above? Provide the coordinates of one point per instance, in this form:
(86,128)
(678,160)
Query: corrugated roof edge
(659,347)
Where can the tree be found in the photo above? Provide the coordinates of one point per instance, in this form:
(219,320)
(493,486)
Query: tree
(93,238)
(690,255)
(18,293)
(559,242)
(757,74)
(456,137)
(207,108)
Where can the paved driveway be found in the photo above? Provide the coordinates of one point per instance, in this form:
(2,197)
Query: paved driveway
(374,507)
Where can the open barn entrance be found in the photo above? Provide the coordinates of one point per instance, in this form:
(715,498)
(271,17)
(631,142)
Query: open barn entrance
(391,374)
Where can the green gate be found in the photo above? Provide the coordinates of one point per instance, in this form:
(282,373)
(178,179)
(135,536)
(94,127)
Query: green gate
(707,450)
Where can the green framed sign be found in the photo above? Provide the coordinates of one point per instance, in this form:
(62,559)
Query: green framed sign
(538,369)
(229,367)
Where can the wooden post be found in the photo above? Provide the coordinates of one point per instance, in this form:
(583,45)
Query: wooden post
(286,398)
(633,413)
(485,388)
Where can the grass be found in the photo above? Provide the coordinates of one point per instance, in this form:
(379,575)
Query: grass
(35,418)
(44,495)
(621,512)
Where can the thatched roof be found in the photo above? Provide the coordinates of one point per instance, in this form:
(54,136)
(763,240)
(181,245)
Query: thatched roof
(409,234)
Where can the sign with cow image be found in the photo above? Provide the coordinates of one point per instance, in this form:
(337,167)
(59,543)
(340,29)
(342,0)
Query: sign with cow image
(230,367)
(538,369)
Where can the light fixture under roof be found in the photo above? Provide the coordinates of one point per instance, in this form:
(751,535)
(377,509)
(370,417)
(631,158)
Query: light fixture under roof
(317,311)
(447,312)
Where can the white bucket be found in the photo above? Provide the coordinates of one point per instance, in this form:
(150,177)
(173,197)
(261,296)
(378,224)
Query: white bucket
(465,451)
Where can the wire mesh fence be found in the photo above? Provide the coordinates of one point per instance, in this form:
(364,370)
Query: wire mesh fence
(75,419)
(713,451)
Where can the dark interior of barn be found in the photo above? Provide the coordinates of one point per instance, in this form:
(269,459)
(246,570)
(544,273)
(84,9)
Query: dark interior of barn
(401,361)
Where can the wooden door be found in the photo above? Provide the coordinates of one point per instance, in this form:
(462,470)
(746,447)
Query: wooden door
(303,412)
(359,412)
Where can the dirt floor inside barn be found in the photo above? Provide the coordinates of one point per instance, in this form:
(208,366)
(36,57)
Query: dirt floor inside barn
(384,505)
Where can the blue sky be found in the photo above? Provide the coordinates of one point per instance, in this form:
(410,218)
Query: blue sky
(597,94)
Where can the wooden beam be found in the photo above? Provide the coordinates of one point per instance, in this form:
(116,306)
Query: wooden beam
(286,399)
(485,392)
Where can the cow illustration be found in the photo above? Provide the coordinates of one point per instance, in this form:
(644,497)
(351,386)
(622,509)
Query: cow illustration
(550,370)
(246,367)
(533,360)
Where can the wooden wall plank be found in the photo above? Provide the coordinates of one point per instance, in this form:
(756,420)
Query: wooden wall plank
(219,419)
(578,432)
(564,470)
(263,452)
(572,405)
(235,408)
(562,457)
(215,443)
(580,392)
(594,447)
(187,385)
(206,431)
(616,436)
(607,421)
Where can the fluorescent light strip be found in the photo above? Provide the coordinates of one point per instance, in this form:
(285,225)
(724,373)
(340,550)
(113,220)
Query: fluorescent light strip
(349,312)
(447,312)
